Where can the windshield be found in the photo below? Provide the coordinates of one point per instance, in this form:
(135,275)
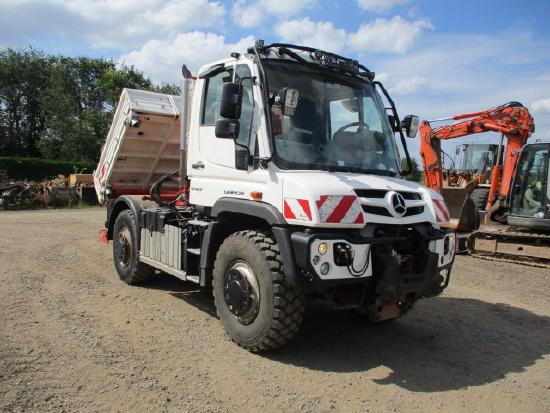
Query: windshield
(339,124)
(478,157)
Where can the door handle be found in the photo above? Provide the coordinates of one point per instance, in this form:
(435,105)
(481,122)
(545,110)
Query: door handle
(198,165)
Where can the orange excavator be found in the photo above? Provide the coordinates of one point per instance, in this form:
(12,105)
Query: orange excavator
(515,124)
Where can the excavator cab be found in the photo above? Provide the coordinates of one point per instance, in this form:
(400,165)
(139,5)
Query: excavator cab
(529,198)
(477,160)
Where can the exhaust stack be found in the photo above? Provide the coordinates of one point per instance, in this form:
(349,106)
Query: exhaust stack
(187,89)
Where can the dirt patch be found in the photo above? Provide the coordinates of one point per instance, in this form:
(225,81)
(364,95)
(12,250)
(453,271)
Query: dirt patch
(74,338)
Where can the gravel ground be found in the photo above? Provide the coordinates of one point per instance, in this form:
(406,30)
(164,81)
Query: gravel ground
(75,338)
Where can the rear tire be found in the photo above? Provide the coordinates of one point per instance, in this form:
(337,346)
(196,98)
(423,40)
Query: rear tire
(255,304)
(126,251)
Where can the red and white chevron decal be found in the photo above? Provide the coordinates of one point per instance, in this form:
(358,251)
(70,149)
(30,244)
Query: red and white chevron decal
(340,209)
(441,211)
(298,209)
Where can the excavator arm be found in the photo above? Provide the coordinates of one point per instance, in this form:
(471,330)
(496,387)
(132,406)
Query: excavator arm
(513,120)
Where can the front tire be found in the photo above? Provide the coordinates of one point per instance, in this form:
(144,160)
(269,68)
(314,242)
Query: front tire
(126,251)
(255,304)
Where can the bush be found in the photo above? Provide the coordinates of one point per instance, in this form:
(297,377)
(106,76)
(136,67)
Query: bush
(38,169)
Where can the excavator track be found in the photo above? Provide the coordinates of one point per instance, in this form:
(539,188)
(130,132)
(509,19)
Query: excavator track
(510,245)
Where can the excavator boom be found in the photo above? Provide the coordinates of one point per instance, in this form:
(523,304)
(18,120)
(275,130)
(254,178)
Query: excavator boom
(513,120)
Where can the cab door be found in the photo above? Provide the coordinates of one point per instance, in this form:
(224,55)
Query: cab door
(530,190)
(219,167)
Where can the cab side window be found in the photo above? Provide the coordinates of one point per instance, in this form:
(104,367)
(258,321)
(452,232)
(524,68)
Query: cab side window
(213,96)
(242,141)
(242,72)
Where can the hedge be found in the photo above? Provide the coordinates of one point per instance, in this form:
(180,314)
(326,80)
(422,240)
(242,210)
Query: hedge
(38,169)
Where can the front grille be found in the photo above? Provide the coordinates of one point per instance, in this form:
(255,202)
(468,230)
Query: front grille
(371,193)
(381,193)
(411,195)
(414,211)
(385,213)
(376,210)
(382,211)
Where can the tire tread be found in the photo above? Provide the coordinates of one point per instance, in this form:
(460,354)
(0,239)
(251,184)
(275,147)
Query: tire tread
(142,272)
(289,305)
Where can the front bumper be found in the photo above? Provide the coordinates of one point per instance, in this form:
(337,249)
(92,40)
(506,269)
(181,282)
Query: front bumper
(393,266)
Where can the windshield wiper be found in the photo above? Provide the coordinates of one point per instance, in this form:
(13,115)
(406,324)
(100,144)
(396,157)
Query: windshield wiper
(358,170)
(383,172)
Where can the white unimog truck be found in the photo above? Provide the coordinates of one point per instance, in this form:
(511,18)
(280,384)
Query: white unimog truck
(289,188)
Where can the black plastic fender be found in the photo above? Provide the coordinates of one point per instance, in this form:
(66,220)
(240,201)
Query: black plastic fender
(133,203)
(282,236)
(266,212)
(261,210)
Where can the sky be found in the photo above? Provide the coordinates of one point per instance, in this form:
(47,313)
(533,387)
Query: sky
(437,58)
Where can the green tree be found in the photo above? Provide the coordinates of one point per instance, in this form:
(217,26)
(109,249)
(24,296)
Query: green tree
(415,174)
(60,107)
(79,104)
(23,78)
(168,89)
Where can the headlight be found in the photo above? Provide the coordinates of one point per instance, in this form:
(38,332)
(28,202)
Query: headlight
(325,267)
(323,248)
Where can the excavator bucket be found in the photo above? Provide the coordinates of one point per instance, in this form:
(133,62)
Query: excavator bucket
(462,209)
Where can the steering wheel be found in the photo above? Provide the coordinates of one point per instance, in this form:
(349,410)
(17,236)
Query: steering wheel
(362,125)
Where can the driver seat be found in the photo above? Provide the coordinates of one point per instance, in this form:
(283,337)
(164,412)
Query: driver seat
(307,119)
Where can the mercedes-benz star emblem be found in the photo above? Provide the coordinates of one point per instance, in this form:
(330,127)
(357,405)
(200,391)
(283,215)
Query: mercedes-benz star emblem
(398,204)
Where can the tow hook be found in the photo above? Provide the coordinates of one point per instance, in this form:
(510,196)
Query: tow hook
(388,312)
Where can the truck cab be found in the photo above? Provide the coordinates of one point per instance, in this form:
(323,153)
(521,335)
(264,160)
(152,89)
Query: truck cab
(290,189)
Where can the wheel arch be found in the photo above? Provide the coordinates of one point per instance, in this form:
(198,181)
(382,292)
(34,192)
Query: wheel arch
(122,203)
(234,215)
(261,210)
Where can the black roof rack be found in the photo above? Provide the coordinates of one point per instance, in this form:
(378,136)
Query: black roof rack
(319,56)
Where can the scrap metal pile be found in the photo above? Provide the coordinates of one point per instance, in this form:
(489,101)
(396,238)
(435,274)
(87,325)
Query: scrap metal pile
(58,192)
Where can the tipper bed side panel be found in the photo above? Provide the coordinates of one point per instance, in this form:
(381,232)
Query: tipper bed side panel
(143,143)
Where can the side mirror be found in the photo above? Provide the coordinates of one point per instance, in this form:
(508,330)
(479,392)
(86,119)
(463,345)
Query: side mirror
(410,124)
(289,100)
(232,96)
(227,128)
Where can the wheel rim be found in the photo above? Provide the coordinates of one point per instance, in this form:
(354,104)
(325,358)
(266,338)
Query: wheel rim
(242,292)
(124,253)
